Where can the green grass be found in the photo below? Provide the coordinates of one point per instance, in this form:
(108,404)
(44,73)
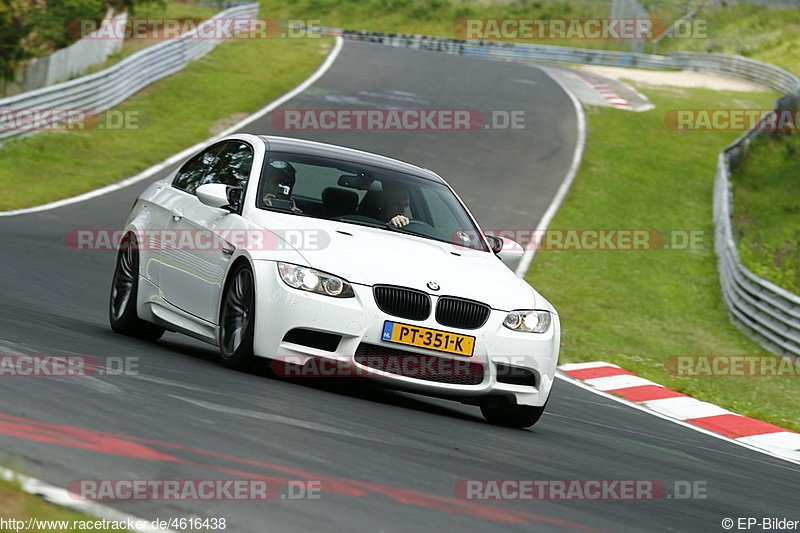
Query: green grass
(637,308)
(236,78)
(771,35)
(767,210)
(19,505)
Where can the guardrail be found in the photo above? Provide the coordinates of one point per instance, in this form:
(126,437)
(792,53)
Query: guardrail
(103,90)
(768,313)
(764,311)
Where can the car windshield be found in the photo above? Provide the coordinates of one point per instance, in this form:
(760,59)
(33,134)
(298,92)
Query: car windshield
(364,195)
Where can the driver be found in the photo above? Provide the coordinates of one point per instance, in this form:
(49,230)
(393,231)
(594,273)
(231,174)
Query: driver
(279,182)
(393,205)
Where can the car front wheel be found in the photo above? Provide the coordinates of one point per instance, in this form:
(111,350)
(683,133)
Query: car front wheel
(237,319)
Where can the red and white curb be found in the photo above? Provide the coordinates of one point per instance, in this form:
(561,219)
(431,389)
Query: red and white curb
(603,89)
(612,379)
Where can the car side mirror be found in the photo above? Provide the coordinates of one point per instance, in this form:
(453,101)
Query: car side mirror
(496,243)
(235,196)
(511,254)
(509,251)
(220,196)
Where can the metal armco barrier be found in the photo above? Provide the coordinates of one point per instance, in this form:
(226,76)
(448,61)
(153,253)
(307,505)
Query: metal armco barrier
(103,90)
(768,313)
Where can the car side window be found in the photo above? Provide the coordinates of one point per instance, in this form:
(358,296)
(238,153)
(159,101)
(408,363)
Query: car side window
(191,175)
(232,165)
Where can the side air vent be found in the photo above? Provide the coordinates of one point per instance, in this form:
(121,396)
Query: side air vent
(313,339)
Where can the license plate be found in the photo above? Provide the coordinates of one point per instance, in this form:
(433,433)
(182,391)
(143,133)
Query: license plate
(431,339)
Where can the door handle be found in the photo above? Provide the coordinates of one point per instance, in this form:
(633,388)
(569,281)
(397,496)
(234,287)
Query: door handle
(177,215)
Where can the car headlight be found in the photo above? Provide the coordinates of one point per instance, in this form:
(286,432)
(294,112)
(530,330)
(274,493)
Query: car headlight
(528,321)
(311,280)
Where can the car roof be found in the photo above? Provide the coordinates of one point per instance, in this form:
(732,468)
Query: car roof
(302,146)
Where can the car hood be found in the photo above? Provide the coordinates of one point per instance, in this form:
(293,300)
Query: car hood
(372,256)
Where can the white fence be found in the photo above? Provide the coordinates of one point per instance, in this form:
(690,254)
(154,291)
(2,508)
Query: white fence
(76,58)
(102,90)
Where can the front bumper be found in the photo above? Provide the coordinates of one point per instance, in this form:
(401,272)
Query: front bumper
(359,322)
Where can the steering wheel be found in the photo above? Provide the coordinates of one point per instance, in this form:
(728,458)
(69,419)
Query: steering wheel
(421,227)
(421,224)
(357,218)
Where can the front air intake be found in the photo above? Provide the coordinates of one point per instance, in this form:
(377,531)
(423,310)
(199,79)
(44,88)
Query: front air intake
(419,366)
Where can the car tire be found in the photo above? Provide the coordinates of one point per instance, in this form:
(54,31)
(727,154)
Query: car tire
(514,416)
(124,289)
(237,319)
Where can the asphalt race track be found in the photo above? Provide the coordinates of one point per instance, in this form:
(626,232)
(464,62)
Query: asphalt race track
(388,461)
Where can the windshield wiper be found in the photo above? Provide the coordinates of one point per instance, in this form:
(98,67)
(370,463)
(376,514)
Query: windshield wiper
(390,227)
(379,225)
(286,211)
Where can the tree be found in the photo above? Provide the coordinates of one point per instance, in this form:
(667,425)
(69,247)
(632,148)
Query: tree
(13,29)
(36,27)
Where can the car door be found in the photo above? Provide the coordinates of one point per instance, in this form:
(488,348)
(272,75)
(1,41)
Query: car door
(194,266)
(168,201)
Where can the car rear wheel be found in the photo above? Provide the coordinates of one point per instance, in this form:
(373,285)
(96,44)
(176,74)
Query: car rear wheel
(515,416)
(124,288)
(237,319)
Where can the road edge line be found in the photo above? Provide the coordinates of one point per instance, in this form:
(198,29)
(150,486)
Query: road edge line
(561,193)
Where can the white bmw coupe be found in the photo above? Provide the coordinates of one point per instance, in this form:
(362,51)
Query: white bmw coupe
(320,257)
